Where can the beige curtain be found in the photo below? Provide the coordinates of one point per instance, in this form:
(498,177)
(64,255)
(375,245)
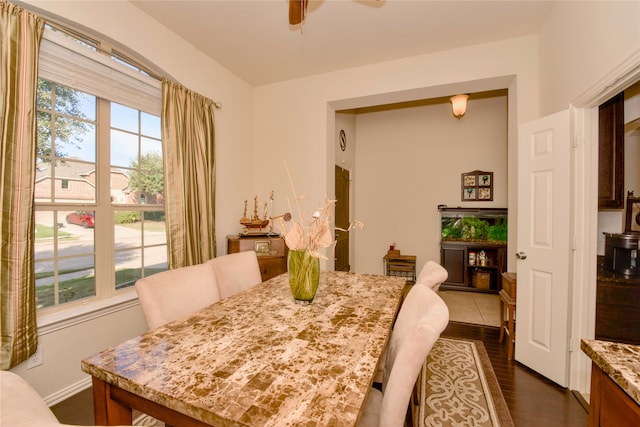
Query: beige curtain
(189,170)
(20,35)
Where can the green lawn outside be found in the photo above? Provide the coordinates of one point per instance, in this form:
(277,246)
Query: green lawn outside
(45,232)
(84,287)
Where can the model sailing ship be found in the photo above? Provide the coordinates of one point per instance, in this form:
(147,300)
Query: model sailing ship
(255,224)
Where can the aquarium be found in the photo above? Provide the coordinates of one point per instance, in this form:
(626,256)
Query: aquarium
(473,225)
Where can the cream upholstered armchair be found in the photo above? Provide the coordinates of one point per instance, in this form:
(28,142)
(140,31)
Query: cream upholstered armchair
(21,405)
(432,275)
(422,318)
(236,272)
(176,293)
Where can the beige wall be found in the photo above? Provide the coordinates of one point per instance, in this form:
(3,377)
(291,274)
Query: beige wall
(410,161)
(295,120)
(581,43)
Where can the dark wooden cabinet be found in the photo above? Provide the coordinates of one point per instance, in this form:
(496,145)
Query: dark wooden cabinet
(611,154)
(272,252)
(473,276)
(617,307)
(609,405)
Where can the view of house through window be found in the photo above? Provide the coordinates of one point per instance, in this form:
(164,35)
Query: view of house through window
(99,178)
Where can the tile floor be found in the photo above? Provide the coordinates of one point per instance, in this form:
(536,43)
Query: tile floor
(472,307)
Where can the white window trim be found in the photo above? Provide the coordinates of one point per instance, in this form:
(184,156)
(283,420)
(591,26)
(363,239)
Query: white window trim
(96,73)
(58,320)
(67,62)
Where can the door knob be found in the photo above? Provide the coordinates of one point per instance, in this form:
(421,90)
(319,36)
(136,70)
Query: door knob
(521,255)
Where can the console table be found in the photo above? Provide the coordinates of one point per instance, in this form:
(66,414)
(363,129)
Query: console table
(271,250)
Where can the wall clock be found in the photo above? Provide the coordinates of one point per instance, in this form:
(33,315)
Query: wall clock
(343,140)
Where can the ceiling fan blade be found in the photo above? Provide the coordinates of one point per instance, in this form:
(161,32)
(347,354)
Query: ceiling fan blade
(297,9)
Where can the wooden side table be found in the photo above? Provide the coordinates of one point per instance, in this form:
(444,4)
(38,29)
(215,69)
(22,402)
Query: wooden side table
(400,265)
(271,250)
(508,325)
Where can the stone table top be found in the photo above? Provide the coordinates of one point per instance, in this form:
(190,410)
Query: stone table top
(259,359)
(621,362)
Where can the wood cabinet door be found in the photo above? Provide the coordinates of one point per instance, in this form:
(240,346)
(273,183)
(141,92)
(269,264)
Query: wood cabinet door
(611,154)
(453,261)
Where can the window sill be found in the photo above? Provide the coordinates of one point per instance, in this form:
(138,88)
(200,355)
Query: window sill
(63,319)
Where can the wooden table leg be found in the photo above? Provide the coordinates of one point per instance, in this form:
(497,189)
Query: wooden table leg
(501,320)
(106,411)
(512,331)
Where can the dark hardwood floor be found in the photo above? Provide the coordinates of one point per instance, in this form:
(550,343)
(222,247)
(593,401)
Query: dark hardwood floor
(532,399)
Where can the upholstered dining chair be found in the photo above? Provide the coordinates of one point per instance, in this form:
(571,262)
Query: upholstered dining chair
(173,294)
(21,405)
(422,318)
(236,272)
(432,275)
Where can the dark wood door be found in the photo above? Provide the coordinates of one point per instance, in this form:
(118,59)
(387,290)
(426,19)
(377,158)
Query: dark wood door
(342,219)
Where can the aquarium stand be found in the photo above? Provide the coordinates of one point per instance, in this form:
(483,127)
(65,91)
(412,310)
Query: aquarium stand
(473,247)
(466,272)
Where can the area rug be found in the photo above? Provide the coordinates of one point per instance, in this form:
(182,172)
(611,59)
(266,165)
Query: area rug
(457,387)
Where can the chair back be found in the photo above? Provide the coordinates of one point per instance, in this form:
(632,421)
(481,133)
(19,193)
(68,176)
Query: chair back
(432,275)
(236,272)
(422,318)
(176,293)
(22,406)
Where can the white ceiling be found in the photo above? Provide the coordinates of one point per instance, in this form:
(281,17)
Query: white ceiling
(253,38)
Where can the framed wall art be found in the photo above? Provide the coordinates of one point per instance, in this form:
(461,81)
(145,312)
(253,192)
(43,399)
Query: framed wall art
(262,246)
(477,186)
(632,214)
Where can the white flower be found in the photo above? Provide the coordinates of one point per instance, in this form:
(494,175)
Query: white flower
(317,232)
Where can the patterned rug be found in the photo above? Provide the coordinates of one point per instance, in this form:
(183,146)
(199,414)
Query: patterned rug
(458,387)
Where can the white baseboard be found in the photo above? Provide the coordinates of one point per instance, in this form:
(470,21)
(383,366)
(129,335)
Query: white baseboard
(67,392)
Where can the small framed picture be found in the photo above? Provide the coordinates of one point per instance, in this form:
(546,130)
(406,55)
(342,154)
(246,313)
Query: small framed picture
(477,186)
(632,214)
(262,246)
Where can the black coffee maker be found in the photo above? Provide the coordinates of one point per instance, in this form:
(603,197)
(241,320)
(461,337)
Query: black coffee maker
(621,249)
(621,253)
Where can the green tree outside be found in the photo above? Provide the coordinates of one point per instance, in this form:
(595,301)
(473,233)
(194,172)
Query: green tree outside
(148,176)
(68,131)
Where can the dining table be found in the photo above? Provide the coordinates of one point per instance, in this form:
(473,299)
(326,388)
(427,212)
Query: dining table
(256,358)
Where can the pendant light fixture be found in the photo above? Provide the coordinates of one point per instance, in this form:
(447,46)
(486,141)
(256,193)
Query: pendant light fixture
(459,105)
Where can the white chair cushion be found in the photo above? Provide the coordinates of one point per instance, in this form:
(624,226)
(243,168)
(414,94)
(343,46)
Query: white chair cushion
(236,272)
(21,405)
(422,318)
(177,293)
(432,275)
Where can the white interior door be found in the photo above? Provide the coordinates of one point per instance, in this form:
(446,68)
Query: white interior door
(542,307)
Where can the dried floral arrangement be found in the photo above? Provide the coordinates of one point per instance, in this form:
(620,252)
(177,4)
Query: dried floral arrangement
(314,233)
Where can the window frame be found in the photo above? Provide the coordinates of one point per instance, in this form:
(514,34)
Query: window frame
(106,294)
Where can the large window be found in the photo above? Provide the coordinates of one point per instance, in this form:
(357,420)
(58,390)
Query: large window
(99,186)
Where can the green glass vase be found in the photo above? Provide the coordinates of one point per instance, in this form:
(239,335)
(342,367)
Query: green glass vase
(304,275)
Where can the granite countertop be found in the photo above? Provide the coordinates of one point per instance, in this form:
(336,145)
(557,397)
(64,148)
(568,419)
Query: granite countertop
(259,359)
(613,277)
(621,362)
